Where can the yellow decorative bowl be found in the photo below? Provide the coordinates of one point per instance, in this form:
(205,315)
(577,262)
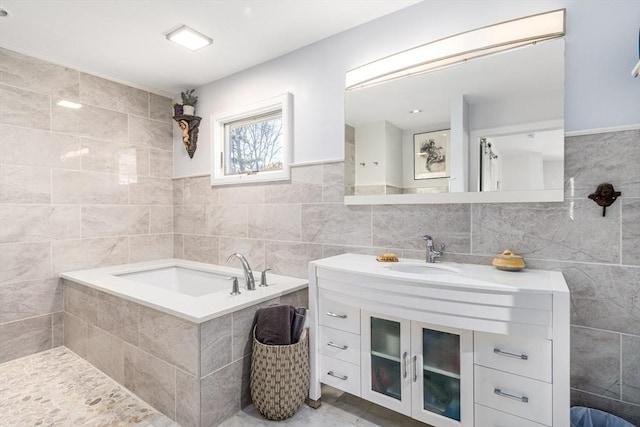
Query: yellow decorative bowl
(508,261)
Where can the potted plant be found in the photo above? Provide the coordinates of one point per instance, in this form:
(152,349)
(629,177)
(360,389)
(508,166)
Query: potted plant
(177,109)
(189,101)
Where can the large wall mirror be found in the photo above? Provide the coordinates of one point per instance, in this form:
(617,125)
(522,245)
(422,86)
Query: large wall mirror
(489,129)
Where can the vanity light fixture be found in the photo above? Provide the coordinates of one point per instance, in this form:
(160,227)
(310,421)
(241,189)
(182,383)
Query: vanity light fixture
(69,104)
(416,111)
(460,48)
(189,38)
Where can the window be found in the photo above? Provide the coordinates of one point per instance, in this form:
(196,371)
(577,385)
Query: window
(252,143)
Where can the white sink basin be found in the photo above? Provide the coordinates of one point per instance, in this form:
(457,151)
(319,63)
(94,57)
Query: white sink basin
(423,268)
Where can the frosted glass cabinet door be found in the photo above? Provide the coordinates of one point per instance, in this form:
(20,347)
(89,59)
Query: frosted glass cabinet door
(385,361)
(442,375)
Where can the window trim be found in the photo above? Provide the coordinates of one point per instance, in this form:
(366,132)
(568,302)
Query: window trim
(220,120)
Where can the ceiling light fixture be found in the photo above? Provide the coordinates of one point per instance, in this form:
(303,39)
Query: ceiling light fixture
(460,48)
(69,104)
(416,111)
(189,38)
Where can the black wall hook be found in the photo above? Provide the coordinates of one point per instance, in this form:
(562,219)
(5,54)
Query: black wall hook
(604,196)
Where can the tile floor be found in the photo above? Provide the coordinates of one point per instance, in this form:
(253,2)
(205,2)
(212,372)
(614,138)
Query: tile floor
(58,388)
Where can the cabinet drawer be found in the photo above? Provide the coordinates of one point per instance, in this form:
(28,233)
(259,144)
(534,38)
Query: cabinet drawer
(520,396)
(528,357)
(487,417)
(340,374)
(340,345)
(339,316)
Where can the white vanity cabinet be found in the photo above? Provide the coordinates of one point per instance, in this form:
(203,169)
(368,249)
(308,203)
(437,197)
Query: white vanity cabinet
(452,345)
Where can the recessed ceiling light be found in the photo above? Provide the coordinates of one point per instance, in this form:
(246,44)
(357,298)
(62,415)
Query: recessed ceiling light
(69,104)
(416,111)
(189,38)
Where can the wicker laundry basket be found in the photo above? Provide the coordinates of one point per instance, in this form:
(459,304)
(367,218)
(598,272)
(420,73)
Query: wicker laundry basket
(279,377)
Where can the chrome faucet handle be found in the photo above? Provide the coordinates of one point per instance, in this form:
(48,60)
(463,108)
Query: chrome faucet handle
(263,278)
(429,240)
(235,288)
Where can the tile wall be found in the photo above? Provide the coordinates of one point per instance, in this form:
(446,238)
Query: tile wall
(78,189)
(284,226)
(92,187)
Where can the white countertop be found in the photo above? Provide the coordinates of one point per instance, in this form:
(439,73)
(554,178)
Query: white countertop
(194,309)
(480,277)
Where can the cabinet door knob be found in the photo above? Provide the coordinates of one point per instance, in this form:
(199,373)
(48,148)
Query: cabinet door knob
(341,347)
(339,316)
(523,399)
(340,377)
(507,354)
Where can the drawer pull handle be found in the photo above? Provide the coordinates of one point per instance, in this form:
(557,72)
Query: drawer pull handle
(507,354)
(523,399)
(339,316)
(341,347)
(340,377)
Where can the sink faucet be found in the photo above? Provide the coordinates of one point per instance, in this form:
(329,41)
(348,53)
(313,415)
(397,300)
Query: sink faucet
(432,254)
(248,274)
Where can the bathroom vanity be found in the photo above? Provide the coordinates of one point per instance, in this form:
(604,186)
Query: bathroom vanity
(447,344)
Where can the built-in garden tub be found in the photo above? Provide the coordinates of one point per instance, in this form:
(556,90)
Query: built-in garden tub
(170,331)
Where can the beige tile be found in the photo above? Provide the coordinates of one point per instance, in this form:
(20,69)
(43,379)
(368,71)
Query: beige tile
(275,222)
(337,224)
(33,147)
(81,301)
(189,219)
(252,249)
(220,394)
(70,255)
(150,133)
(113,96)
(215,344)
(305,187)
(198,191)
(57,333)
(160,163)
(178,246)
(188,399)
(630,231)
(25,261)
(76,334)
(201,248)
(178,191)
(121,159)
(106,353)
(41,76)
(160,219)
(90,121)
(291,259)
(33,298)
(32,223)
(105,221)
(25,337)
(118,317)
(160,108)
(76,187)
(151,191)
(150,247)
(170,338)
(25,184)
(241,194)
(24,108)
(227,221)
(333,181)
(151,379)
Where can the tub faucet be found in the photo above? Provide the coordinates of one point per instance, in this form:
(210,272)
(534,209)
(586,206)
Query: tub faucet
(248,274)
(432,254)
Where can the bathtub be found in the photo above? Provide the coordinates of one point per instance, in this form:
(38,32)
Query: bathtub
(193,291)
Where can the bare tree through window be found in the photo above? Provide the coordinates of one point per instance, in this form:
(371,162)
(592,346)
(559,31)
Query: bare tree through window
(256,145)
